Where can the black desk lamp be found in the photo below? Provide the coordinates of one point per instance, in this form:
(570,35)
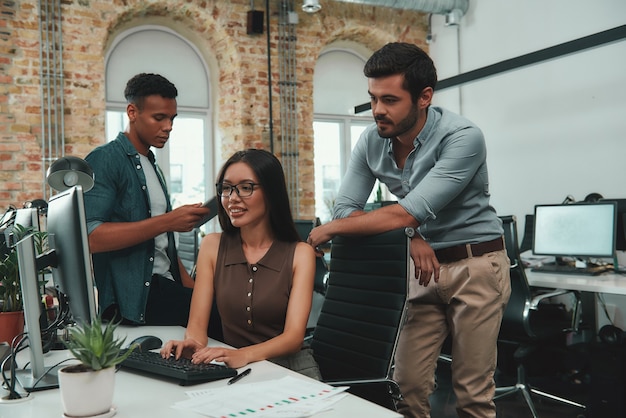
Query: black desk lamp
(70,171)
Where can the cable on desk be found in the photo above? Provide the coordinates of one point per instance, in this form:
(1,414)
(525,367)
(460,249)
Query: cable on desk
(9,384)
(17,344)
(50,369)
(606,311)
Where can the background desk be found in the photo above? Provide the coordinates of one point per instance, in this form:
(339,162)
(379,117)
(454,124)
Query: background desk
(603,283)
(590,286)
(139,396)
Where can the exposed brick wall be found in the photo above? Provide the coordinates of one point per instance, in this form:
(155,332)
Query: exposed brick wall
(217,28)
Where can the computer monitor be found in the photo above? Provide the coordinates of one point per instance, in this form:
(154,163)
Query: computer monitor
(620,225)
(580,230)
(7,217)
(27,218)
(67,236)
(69,258)
(6,224)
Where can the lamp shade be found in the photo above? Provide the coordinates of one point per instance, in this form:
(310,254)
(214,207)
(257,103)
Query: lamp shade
(70,171)
(311,6)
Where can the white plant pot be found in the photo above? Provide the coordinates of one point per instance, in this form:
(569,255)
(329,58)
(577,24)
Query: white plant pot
(86,393)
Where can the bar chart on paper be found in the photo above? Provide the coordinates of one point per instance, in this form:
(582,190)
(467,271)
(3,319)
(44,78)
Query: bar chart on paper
(285,397)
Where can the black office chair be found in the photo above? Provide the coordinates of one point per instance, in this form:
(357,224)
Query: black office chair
(188,243)
(304,226)
(355,340)
(528,324)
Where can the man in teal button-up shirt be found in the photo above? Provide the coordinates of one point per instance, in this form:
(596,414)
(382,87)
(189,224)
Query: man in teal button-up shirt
(129,218)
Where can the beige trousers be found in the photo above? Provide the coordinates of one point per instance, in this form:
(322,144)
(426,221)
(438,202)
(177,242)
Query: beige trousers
(467,303)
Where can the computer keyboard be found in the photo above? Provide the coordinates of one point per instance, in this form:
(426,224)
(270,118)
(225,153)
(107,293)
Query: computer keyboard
(183,370)
(571,269)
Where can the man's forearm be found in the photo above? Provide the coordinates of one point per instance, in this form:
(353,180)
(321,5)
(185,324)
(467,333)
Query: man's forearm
(363,223)
(375,222)
(112,236)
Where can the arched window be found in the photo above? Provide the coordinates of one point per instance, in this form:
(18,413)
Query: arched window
(186,159)
(339,86)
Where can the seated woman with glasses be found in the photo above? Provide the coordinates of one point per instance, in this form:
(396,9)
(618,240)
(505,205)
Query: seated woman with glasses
(257,271)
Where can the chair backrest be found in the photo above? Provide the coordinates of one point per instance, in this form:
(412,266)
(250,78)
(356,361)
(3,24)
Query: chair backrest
(516,319)
(188,243)
(527,237)
(304,226)
(358,328)
(509,223)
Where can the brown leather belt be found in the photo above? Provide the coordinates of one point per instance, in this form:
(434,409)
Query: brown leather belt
(463,251)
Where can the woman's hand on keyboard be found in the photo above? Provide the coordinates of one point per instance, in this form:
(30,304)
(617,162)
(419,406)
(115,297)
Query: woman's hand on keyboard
(232,357)
(177,348)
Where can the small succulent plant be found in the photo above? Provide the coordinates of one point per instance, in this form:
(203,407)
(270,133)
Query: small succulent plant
(96,346)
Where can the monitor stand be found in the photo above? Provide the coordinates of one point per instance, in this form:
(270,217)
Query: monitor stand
(26,379)
(38,377)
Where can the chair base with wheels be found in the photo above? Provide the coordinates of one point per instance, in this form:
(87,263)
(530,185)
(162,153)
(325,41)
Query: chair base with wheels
(522,387)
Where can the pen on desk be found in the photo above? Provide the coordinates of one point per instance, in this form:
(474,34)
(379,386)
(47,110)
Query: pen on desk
(239,376)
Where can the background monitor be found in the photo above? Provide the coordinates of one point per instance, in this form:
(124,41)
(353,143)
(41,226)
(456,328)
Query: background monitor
(575,230)
(6,224)
(28,218)
(7,217)
(69,258)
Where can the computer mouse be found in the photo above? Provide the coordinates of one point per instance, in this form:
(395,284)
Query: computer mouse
(147,343)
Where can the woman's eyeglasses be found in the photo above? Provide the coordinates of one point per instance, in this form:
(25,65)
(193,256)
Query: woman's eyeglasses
(242,189)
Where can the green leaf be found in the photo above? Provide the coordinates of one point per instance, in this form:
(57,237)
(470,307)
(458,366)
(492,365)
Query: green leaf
(96,346)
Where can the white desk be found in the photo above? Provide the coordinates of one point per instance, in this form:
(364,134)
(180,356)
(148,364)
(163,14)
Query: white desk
(590,286)
(603,283)
(140,396)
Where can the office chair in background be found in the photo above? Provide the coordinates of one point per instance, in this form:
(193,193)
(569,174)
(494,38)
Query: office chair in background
(527,237)
(527,326)
(304,226)
(355,339)
(188,244)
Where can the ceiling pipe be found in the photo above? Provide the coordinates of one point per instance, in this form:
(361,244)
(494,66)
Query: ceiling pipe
(452,9)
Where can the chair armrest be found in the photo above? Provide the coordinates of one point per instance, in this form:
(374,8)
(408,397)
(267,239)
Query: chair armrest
(349,382)
(534,304)
(393,387)
(536,300)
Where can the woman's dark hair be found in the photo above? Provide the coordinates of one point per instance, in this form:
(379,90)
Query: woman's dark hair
(407,59)
(271,177)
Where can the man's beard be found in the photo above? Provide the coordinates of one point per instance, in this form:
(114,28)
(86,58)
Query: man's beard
(402,127)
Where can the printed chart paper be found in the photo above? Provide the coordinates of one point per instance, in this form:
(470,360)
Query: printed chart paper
(287,397)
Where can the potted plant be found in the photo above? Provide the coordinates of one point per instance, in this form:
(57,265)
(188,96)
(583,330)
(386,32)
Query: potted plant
(11,307)
(87,387)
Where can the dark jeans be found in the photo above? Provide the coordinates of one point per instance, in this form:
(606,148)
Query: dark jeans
(168,304)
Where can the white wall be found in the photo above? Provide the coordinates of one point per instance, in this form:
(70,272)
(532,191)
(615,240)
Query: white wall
(555,128)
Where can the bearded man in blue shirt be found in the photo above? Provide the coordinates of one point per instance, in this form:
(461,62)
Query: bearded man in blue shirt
(139,277)
(434,162)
